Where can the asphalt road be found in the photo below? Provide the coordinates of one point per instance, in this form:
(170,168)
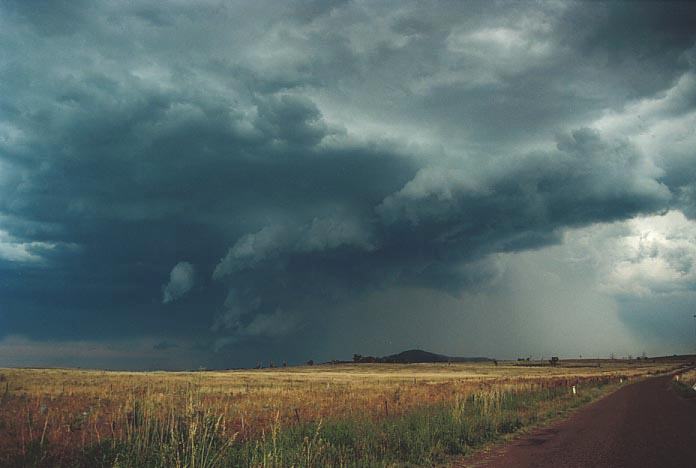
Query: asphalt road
(646,424)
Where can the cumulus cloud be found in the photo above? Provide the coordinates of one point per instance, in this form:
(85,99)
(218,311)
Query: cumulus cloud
(272,242)
(342,149)
(267,326)
(427,232)
(17,251)
(331,233)
(254,248)
(663,126)
(275,324)
(182,279)
(644,256)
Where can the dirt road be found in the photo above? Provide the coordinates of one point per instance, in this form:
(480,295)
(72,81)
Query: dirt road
(645,424)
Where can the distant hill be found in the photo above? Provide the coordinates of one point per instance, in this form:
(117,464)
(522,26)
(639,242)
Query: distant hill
(413,356)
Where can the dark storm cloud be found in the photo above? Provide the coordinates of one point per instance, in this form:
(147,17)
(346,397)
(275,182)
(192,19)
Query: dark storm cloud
(302,154)
(442,218)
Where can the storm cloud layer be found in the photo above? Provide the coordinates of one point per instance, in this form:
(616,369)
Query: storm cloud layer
(225,182)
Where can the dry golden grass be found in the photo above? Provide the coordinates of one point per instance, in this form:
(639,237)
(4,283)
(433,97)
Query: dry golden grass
(68,409)
(688,378)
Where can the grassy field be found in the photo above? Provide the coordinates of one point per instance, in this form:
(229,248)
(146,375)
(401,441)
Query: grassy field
(328,415)
(685,383)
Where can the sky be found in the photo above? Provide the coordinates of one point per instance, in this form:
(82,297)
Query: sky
(189,184)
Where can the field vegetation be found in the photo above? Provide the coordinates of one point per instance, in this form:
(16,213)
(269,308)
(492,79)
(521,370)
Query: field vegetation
(685,383)
(340,415)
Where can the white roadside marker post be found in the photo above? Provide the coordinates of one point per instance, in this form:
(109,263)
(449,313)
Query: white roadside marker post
(575,392)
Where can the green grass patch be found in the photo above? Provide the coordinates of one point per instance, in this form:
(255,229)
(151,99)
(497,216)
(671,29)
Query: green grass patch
(424,437)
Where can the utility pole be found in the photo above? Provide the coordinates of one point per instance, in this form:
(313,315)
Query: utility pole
(694,332)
